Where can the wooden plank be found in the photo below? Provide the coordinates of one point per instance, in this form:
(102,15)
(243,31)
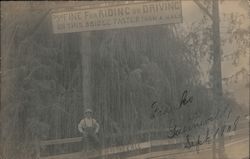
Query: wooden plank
(126,148)
(78,139)
(60,141)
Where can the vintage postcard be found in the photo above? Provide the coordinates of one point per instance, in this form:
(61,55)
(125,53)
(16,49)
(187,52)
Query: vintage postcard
(125,79)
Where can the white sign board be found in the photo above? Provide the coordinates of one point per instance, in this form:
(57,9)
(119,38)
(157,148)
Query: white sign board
(119,16)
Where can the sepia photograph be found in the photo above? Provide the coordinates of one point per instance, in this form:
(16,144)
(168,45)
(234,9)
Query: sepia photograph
(156,79)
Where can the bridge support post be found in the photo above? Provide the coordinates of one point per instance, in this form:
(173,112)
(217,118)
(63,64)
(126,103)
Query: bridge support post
(217,74)
(37,148)
(85,50)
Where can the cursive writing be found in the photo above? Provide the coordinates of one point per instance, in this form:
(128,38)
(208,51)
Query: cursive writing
(197,142)
(175,131)
(219,131)
(159,110)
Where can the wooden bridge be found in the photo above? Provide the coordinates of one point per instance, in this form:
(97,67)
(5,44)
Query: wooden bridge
(147,142)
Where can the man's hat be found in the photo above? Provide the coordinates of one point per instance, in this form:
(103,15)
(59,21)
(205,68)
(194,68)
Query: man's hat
(88,111)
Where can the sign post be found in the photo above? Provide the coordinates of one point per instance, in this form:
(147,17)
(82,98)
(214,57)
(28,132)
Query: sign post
(85,51)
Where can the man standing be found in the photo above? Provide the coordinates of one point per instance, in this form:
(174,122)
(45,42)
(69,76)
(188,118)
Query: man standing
(89,127)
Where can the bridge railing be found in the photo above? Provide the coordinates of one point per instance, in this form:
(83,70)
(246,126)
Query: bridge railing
(127,140)
(141,140)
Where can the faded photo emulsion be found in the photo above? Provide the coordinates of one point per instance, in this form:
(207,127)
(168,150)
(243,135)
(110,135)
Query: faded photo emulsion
(125,79)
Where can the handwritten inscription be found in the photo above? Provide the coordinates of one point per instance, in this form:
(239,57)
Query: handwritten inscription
(159,110)
(196,122)
(219,131)
(175,131)
(199,141)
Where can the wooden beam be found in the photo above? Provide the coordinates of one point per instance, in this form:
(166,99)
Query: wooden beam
(85,50)
(204,9)
(242,124)
(60,141)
